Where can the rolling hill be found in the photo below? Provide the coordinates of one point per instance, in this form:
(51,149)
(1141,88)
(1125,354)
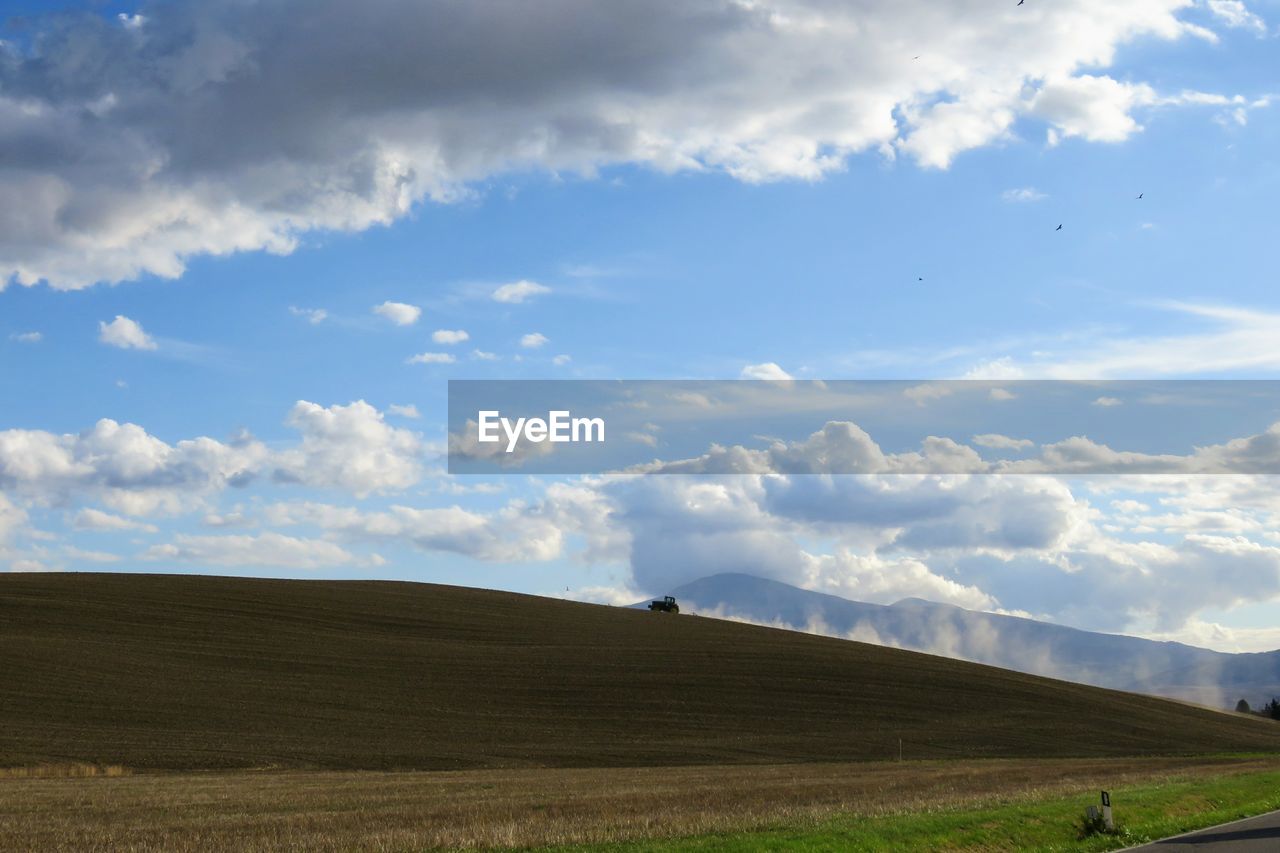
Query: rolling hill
(166,671)
(1106,660)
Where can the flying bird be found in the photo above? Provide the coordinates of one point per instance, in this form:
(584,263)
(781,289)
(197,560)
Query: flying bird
(1140,195)
(1059,228)
(1020,2)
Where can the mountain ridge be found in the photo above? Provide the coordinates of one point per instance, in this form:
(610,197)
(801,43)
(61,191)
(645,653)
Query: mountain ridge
(1117,661)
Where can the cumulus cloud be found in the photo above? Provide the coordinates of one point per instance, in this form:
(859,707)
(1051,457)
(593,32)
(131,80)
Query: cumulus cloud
(314,316)
(467,445)
(12,518)
(95,519)
(519,291)
(1235,13)
(125,334)
(263,549)
(767,370)
(1002,442)
(398,313)
(843,447)
(514,534)
(1099,109)
(27,337)
(433,358)
(677,529)
(131,471)
(349,447)
(1023,194)
(123,466)
(533,340)
(449,336)
(409,411)
(1030,543)
(192,128)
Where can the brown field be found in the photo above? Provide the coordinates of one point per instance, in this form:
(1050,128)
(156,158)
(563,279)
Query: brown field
(330,810)
(182,672)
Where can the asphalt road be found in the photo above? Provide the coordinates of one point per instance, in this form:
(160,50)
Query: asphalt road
(1259,834)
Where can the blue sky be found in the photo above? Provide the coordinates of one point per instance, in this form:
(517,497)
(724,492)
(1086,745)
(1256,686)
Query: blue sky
(682,218)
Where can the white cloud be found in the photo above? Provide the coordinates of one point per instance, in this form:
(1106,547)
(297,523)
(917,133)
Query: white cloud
(118,177)
(514,534)
(409,411)
(122,466)
(481,355)
(1029,543)
(432,358)
(1230,340)
(561,360)
(1098,109)
(1236,14)
(1023,194)
(533,340)
(12,519)
(1212,635)
(449,336)
(843,447)
(519,291)
(676,529)
(927,391)
(767,370)
(645,438)
(80,555)
(263,549)
(27,337)
(1108,402)
(125,334)
(398,313)
(96,519)
(130,471)
(314,316)
(996,368)
(349,447)
(1002,442)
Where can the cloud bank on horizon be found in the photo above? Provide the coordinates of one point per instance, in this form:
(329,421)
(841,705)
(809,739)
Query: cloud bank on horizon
(1149,552)
(186,129)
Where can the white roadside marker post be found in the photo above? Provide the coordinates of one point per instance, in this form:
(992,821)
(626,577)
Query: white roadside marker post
(1106,811)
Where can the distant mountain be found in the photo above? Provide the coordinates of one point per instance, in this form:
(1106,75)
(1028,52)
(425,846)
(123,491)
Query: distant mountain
(1107,660)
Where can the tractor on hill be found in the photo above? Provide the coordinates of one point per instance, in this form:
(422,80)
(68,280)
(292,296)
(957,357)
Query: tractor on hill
(666,605)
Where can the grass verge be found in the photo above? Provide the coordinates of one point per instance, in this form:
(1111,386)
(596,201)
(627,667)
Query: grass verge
(1143,813)
(991,805)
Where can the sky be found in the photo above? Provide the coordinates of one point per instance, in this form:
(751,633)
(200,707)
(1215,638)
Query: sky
(245,244)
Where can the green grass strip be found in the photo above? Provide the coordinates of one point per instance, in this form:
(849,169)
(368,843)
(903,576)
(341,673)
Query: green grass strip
(1142,813)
